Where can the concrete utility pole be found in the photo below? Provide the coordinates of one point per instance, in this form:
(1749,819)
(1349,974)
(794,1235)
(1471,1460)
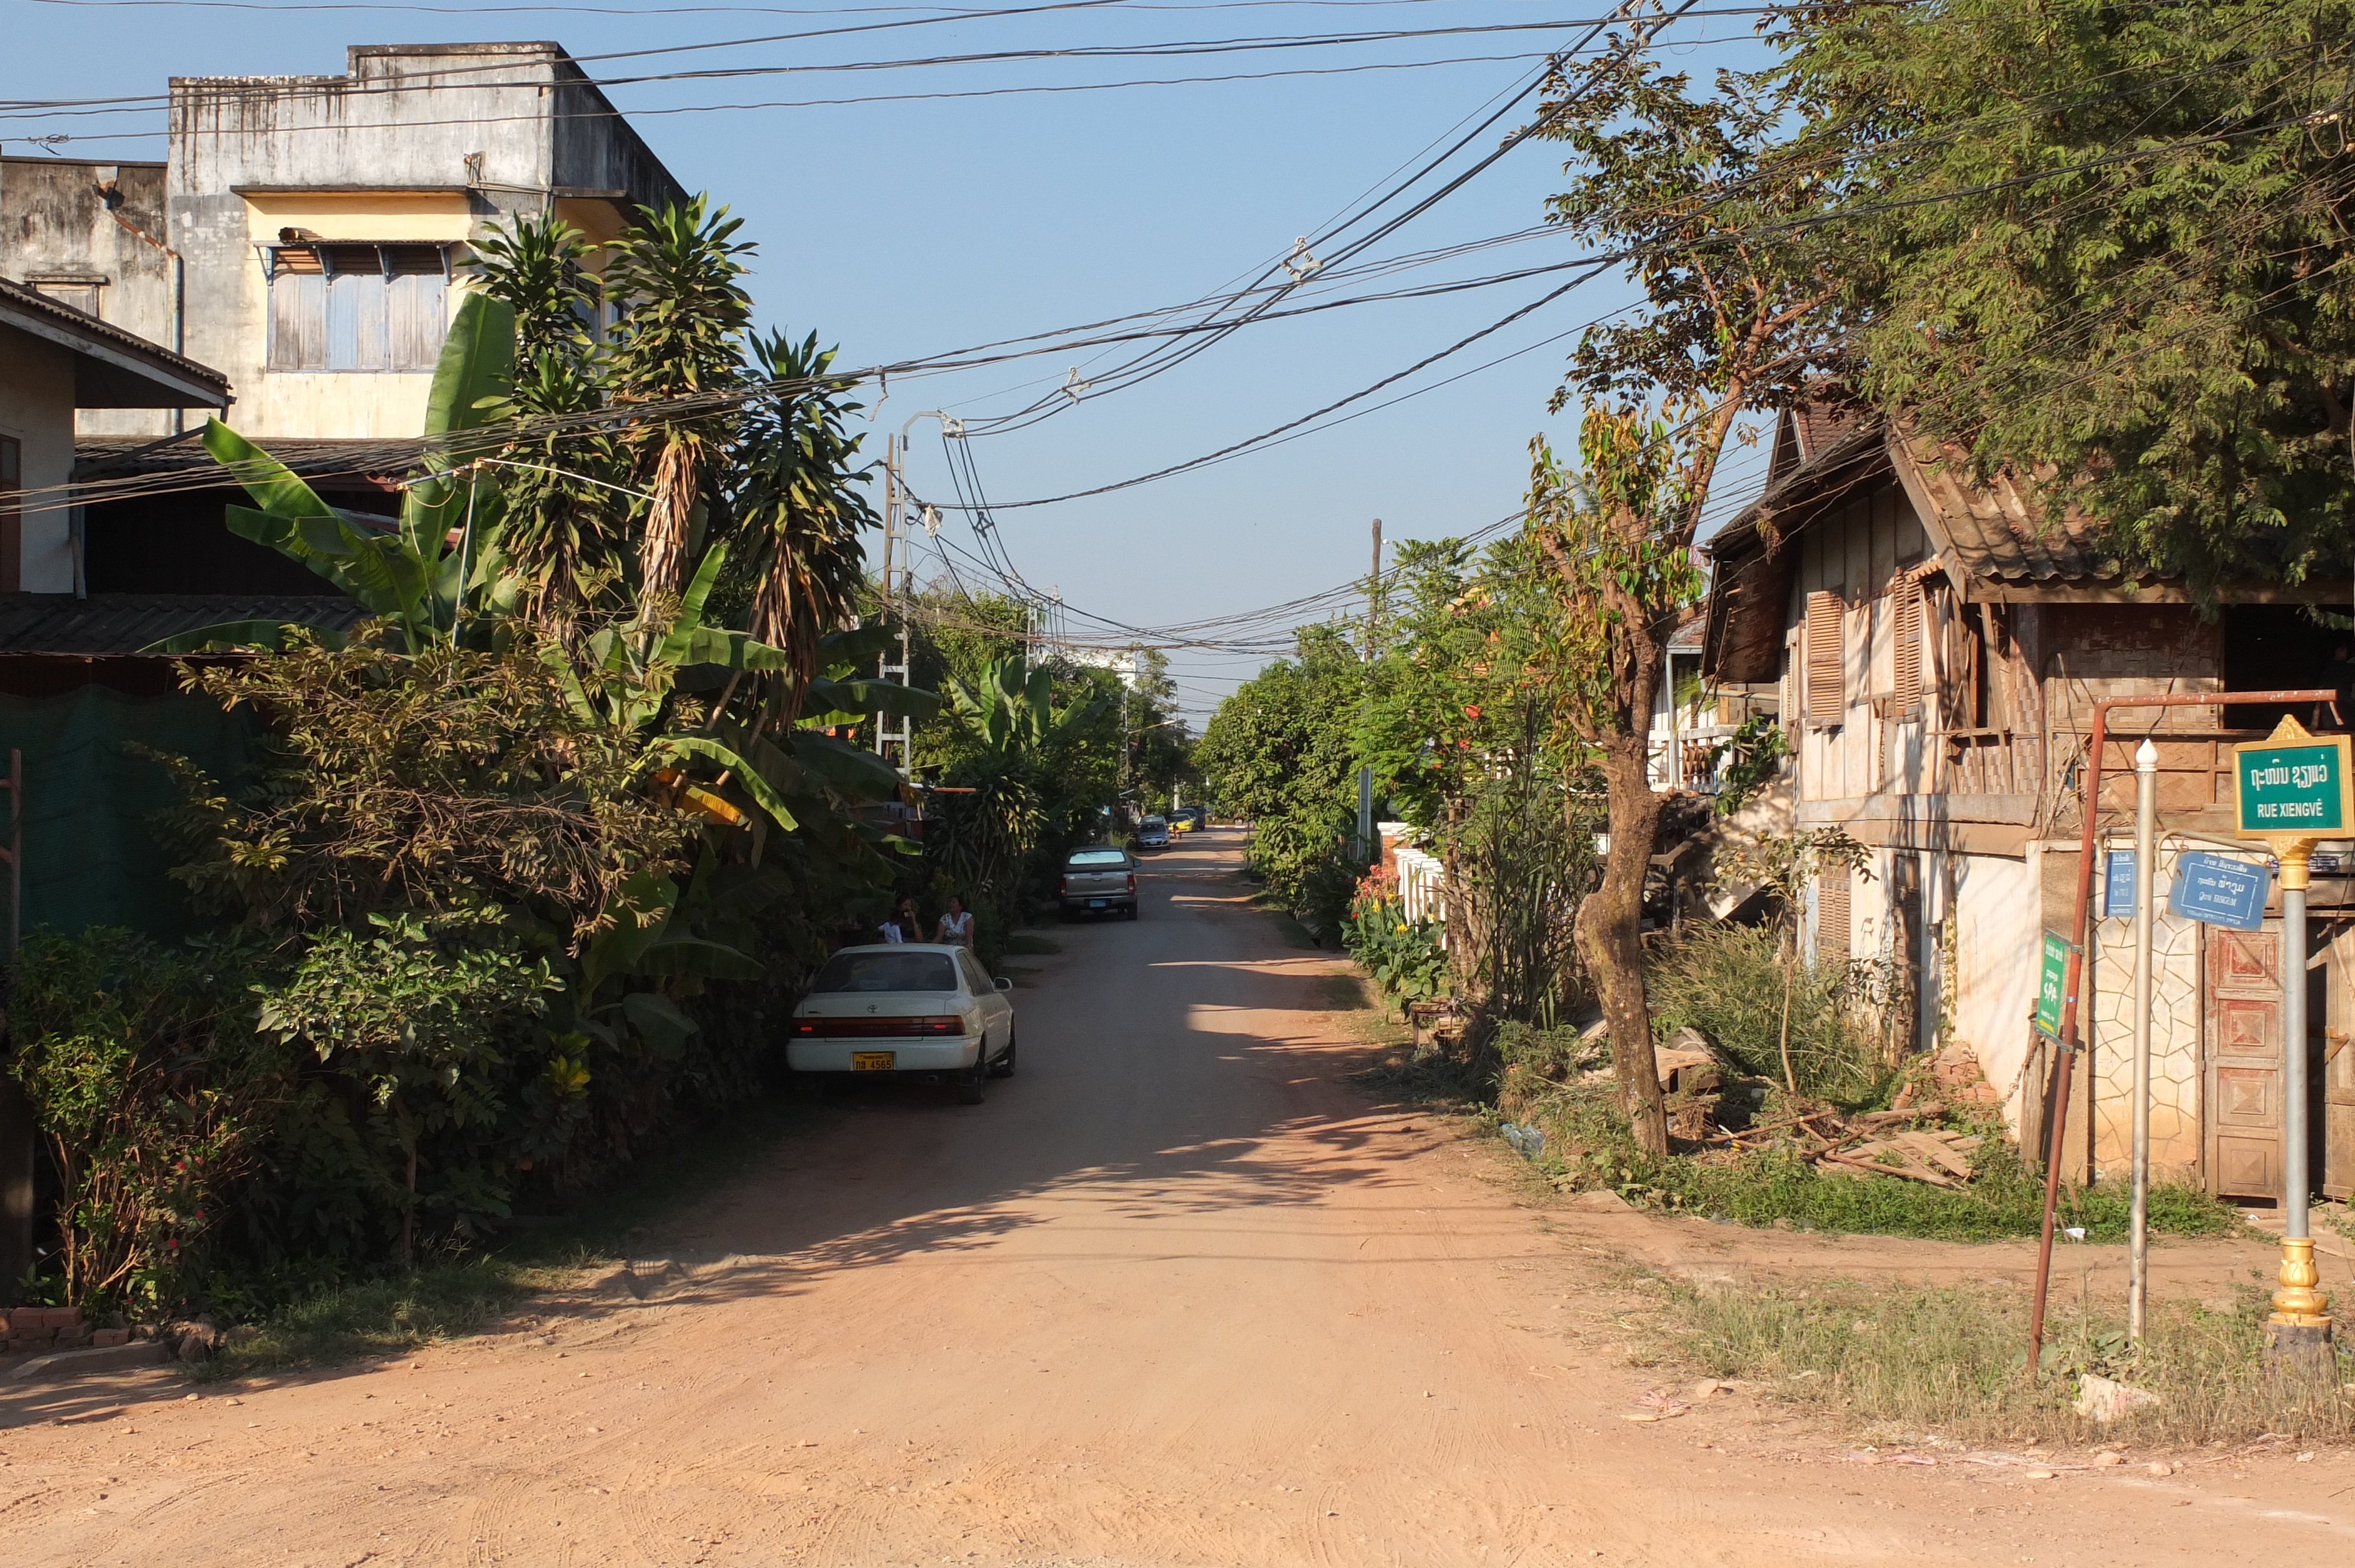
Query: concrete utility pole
(2145,863)
(894,502)
(1374,596)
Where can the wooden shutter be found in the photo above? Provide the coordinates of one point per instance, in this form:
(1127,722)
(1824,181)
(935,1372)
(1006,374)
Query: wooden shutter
(1826,660)
(1832,915)
(417,309)
(298,321)
(1906,640)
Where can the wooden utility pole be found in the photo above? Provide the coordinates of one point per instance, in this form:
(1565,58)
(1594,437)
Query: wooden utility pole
(1374,595)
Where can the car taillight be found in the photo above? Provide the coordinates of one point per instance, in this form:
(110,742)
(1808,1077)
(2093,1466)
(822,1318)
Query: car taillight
(1132,882)
(1067,885)
(877,1028)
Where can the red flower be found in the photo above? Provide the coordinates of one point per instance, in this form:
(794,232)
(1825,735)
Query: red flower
(1472,710)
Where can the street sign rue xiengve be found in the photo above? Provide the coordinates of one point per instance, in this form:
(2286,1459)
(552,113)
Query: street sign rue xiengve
(2293,784)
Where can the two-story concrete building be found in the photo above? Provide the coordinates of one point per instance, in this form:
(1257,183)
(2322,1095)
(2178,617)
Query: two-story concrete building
(1939,646)
(305,235)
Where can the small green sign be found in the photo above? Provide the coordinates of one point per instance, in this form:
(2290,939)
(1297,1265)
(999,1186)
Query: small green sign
(2299,788)
(2051,982)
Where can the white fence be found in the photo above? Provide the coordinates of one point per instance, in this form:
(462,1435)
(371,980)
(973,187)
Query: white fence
(1419,879)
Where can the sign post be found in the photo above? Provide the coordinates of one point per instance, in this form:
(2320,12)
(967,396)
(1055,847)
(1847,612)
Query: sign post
(2291,788)
(2053,984)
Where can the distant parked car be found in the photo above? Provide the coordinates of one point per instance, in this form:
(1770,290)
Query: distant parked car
(1101,880)
(911,1009)
(1153,833)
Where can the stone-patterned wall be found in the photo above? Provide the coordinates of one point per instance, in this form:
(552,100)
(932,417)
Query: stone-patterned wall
(2176,1003)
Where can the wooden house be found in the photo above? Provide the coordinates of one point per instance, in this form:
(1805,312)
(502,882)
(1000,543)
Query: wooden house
(1939,649)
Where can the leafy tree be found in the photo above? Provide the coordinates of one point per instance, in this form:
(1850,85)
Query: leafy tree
(2106,241)
(1738,310)
(1282,753)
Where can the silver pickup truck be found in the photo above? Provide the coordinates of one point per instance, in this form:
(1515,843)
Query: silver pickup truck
(1099,881)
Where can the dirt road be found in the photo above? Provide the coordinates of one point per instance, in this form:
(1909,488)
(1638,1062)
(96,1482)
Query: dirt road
(1177,1295)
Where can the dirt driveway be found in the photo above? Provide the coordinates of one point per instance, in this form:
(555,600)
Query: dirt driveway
(1175,1295)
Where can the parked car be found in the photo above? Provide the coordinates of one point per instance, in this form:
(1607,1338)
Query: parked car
(1100,880)
(916,1009)
(1153,833)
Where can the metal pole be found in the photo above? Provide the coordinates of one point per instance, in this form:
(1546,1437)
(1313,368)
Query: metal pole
(2299,1333)
(2077,926)
(2145,863)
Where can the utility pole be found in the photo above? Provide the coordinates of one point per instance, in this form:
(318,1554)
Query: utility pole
(1374,596)
(894,496)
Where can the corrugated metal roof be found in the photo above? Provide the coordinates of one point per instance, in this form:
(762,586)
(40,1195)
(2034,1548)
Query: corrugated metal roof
(127,622)
(31,302)
(115,457)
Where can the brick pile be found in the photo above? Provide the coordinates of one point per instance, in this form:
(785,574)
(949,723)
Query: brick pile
(38,1330)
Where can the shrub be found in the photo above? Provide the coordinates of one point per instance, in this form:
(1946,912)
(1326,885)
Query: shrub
(155,1098)
(1401,956)
(1733,984)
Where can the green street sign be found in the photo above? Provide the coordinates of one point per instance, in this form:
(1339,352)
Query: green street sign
(2051,982)
(2293,784)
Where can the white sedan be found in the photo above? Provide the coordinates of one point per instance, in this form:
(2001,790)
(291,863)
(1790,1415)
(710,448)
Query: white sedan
(915,1009)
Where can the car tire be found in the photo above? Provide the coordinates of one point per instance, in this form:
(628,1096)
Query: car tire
(972,1084)
(1003,1066)
(1132,911)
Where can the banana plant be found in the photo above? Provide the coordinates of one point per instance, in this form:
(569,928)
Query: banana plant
(1012,709)
(436,575)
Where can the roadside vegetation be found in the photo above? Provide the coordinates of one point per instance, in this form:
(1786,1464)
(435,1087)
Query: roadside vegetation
(1948,1366)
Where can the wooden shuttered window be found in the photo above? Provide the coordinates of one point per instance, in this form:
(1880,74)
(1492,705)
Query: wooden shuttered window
(1832,915)
(358,307)
(1906,640)
(1826,660)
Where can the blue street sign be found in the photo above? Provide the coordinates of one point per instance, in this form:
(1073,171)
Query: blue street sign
(2219,892)
(2118,888)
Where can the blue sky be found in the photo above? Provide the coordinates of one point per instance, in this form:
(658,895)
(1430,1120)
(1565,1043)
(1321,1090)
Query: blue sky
(902,229)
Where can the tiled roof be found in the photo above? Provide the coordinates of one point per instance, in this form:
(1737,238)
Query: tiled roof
(127,622)
(1992,532)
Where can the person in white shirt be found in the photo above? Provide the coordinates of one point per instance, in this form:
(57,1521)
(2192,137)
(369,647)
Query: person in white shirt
(956,926)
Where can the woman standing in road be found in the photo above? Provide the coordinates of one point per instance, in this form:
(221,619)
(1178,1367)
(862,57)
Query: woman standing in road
(956,926)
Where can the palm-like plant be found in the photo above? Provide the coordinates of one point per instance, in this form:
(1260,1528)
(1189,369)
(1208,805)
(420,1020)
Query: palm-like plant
(797,507)
(564,491)
(674,273)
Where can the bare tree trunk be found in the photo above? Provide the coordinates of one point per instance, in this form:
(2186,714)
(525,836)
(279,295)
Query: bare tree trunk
(1610,934)
(662,554)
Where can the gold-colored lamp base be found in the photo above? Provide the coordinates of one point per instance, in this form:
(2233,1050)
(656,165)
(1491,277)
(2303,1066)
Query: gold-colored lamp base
(2298,1304)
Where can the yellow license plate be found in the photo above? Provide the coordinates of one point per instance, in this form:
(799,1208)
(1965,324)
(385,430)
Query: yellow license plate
(872,1061)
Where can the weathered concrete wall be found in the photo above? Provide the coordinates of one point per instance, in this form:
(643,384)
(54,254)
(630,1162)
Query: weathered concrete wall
(37,407)
(58,227)
(429,143)
(1994,905)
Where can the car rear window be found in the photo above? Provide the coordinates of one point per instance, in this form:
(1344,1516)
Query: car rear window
(1098,857)
(887,972)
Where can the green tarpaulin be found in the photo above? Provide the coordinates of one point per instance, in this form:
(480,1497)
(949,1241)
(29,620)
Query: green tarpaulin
(90,855)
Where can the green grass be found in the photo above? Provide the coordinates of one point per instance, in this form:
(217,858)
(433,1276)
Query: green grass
(1907,1363)
(460,1294)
